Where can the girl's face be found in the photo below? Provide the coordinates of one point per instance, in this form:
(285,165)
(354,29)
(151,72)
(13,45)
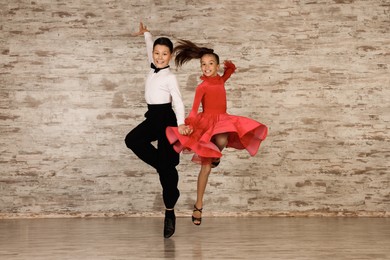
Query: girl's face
(209,65)
(161,56)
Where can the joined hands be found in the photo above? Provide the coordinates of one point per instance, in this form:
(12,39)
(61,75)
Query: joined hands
(184,130)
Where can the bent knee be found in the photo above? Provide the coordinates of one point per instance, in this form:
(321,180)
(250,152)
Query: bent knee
(221,140)
(130,141)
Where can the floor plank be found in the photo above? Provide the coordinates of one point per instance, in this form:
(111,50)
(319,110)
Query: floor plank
(216,238)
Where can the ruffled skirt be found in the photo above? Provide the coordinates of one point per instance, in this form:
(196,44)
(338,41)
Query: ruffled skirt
(243,133)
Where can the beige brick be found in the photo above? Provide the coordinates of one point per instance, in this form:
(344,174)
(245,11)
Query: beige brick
(315,72)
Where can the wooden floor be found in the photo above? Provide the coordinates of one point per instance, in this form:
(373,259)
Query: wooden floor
(217,238)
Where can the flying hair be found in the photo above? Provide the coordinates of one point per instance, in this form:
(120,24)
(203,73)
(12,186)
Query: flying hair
(186,50)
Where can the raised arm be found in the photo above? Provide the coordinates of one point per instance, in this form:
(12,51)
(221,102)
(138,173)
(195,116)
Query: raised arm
(229,69)
(143,30)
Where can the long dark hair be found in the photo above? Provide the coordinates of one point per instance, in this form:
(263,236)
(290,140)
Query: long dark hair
(164,41)
(186,50)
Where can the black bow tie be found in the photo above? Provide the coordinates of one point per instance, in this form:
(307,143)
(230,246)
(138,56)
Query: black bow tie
(156,70)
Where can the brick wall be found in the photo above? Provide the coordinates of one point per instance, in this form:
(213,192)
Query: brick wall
(316,72)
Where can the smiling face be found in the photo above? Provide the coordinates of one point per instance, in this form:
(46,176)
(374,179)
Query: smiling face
(209,65)
(161,56)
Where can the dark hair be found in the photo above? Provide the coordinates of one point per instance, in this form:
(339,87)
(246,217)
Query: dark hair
(187,50)
(164,41)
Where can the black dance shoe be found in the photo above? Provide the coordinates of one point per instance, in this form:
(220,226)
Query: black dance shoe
(197,221)
(169,225)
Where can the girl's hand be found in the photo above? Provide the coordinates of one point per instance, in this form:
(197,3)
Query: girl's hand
(142,29)
(184,130)
(228,64)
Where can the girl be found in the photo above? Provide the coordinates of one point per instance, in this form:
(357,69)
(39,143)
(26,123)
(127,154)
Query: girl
(161,92)
(213,129)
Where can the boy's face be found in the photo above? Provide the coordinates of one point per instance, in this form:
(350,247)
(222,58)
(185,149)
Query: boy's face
(161,56)
(209,65)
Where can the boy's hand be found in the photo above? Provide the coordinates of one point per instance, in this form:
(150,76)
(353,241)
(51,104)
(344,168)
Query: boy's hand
(142,29)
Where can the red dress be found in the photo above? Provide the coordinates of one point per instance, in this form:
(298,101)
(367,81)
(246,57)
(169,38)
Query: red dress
(243,132)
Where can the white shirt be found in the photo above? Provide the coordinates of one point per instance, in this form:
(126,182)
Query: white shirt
(162,87)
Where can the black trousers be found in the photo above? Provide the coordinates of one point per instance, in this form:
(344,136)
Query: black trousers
(163,158)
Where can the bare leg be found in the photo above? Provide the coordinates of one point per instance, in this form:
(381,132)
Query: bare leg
(220,141)
(201,187)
